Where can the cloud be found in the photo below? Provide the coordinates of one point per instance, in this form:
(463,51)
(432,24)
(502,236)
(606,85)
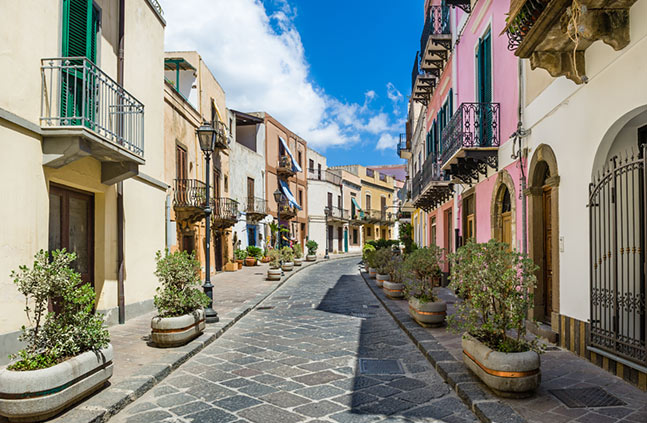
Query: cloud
(395,96)
(259,59)
(387,142)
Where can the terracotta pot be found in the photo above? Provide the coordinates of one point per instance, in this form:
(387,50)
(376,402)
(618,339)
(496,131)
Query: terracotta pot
(240,264)
(265,260)
(250,261)
(511,375)
(176,331)
(37,395)
(393,290)
(380,278)
(428,314)
(274,274)
(287,266)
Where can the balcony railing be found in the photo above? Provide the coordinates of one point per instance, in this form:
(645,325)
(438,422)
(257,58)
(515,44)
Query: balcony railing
(523,22)
(437,23)
(77,93)
(288,211)
(324,175)
(189,193)
(255,206)
(474,125)
(224,209)
(338,213)
(285,165)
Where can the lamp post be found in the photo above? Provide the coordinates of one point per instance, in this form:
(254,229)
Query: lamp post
(327,212)
(207,137)
(278,197)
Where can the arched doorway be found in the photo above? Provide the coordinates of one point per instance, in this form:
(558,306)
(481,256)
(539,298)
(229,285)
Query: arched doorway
(543,233)
(503,210)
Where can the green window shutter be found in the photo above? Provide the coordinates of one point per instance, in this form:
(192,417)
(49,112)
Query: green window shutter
(484,67)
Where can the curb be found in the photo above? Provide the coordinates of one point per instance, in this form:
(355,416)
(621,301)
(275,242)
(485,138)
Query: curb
(487,407)
(102,406)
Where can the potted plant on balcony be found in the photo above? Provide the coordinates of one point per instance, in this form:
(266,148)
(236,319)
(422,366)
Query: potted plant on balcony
(274,271)
(381,259)
(394,287)
(253,255)
(298,254)
(497,285)
(179,300)
(67,354)
(240,256)
(367,251)
(287,257)
(312,246)
(422,275)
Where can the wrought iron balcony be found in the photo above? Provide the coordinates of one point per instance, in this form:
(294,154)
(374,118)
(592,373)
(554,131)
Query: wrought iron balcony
(338,214)
(470,141)
(255,208)
(436,40)
(288,211)
(466,5)
(285,166)
(225,212)
(84,112)
(324,175)
(189,199)
(434,185)
(422,83)
(404,148)
(373,216)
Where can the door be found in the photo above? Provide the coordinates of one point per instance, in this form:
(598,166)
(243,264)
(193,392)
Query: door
(71,226)
(250,195)
(383,206)
(448,230)
(340,236)
(217,242)
(547,253)
(330,237)
(188,244)
(506,229)
(251,235)
(346,240)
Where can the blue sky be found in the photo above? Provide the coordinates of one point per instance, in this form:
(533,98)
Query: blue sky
(335,72)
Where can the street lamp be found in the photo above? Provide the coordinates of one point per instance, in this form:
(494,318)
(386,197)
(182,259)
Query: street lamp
(327,212)
(279,198)
(207,137)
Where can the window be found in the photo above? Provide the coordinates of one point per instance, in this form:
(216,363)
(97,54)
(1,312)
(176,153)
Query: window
(368,231)
(367,205)
(311,165)
(339,202)
(319,171)
(225,182)
(300,197)
(299,156)
(433,230)
(81,22)
(469,224)
(355,240)
(180,163)
(330,200)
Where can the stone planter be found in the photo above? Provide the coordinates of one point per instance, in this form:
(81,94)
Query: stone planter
(287,266)
(393,290)
(380,278)
(311,257)
(372,272)
(250,261)
(37,395)
(274,274)
(176,331)
(511,375)
(429,314)
(298,261)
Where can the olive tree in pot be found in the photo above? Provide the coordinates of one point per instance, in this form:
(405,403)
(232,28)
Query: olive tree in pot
(298,254)
(179,300)
(368,251)
(274,272)
(67,354)
(497,286)
(394,286)
(381,259)
(312,246)
(287,255)
(422,275)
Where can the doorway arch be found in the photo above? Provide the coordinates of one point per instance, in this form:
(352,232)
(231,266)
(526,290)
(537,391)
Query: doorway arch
(503,210)
(543,233)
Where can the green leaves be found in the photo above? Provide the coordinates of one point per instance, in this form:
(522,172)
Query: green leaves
(422,271)
(287,254)
(312,246)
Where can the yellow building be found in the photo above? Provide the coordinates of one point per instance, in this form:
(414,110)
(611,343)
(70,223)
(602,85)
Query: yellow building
(83,157)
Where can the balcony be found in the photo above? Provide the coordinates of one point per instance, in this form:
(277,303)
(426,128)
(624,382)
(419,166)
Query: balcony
(404,148)
(422,84)
(338,214)
(435,41)
(432,185)
(255,209)
(224,213)
(285,167)
(189,199)
(466,5)
(324,175)
(540,30)
(85,113)
(372,216)
(470,141)
(288,211)
(388,218)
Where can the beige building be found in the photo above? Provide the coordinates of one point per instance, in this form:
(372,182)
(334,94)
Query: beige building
(192,95)
(83,157)
(351,198)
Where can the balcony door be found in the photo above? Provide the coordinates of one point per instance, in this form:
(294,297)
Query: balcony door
(484,89)
(250,195)
(71,226)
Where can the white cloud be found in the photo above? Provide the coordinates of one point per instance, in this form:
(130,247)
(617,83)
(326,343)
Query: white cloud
(260,61)
(387,142)
(395,96)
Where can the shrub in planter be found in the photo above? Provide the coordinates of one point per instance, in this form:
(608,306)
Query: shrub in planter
(497,285)
(298,254)
(179,299)
(421,276)
(274,272)
(368,256)
(394,286)
(381,259)
(287,257)
(253,255)
(312,246)
(68,355)
(240,256)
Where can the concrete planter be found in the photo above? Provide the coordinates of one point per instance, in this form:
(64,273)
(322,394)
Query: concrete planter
(380,278)
(372,273)
(311,257)
(274,274)
(287,266)
(429,314)
(511,375)
(298,262)
(36,395)
(393,290)
(176,331)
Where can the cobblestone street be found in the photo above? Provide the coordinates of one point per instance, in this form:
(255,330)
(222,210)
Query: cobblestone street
(297,358)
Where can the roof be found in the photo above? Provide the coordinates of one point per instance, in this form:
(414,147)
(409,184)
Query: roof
(243,119)
(172,63)
(399,172)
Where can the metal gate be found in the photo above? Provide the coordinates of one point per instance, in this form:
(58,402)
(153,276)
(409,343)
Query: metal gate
(617,257)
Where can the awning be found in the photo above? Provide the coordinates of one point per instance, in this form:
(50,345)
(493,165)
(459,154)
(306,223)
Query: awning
(288,194)
(295,165)
(356,205)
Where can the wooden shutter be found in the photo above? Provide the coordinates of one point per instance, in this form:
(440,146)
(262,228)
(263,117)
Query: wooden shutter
(180,163)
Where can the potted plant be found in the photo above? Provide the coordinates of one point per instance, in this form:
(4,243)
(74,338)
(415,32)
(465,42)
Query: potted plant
(380,259)
(422,275)
(240,256)
(68,348)
(394,286)
(367,252)
(312,246)
(266,258)
(179,300)
(253,254)
(497,284)
(298,254)
(287,255)
(274,272)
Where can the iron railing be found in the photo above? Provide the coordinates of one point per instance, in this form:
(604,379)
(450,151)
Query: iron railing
(466,5)
(415,72)
(285,163)
(402,144)
(524,21)
(77,93)
(436,23)
(474,125)
(224,209)
(324,175)
(339,213)
(189,193)
(288,211)
(255,205)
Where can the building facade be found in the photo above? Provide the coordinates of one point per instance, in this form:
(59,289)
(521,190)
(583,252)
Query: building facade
(351,197)
(83,149)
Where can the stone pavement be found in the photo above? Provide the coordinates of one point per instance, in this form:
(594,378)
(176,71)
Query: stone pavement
(295,358)
(560,369)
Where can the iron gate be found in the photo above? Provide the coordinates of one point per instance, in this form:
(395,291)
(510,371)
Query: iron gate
(617,257)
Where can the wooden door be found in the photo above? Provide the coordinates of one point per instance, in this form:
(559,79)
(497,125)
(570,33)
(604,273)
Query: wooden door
(340,235)
(547,253)
(469,227)
(506,229)
(71,226)
(448,231)
(330,237)
(250,194)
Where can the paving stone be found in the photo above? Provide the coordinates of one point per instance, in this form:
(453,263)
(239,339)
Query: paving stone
(319,392)
(268,413)
(213,415)
(164,390)
(353,417)
(143,406)
(407,384)
(356,399)
(382,391)
(285,399)
(498,412)
(210,392)
(257,389)
(386,406)
(237,402)
(237,383)
(319,378)
(149,416)
(268,379)
(319,409)
(189,408)
(174,399)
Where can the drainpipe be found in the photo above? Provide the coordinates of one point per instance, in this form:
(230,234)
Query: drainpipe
(121,301)
(521,133)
